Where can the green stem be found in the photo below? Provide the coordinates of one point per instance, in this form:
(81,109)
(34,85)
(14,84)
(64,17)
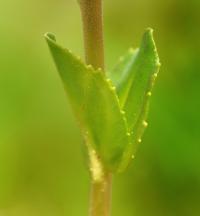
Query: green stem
(93,32)
(100,198)
(101,181)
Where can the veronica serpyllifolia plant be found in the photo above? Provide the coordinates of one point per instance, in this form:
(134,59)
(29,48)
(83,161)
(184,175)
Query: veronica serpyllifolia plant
(110,107)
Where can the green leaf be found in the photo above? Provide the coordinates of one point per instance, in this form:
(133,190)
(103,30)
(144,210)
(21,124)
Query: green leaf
(111,113)
(134,78)
(96,106)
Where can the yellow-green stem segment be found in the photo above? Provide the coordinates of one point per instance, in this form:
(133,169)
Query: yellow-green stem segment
(100,197)
(91,11)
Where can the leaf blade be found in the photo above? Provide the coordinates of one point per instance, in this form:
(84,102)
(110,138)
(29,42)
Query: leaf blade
(96,106)
(140,68)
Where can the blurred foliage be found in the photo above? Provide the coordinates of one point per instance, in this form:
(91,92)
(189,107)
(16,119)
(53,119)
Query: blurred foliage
(41,168)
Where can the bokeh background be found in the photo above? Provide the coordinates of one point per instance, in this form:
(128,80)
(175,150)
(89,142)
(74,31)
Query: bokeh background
(41,163)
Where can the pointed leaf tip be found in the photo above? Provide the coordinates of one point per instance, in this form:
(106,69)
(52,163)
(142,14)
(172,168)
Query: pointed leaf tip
(50,36)
(148,44)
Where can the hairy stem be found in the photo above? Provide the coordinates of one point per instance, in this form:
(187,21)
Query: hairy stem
(93,32)
(100,198)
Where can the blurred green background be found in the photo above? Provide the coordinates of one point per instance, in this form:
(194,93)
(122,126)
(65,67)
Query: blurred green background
(41,163)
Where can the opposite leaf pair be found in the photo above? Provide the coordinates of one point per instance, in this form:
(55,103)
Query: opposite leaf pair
(111,108)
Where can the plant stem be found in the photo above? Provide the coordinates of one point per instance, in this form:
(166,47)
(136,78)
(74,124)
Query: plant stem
(93,32)
(101,181)
(100,198)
